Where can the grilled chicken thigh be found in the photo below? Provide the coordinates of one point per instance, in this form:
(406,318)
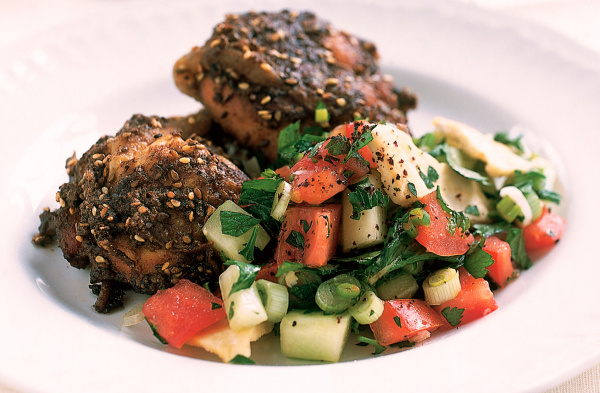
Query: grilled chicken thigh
(259,72)
(136,203)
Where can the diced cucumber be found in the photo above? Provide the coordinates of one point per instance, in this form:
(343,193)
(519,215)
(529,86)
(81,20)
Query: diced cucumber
(370,229)
(403,286)
(230,246)
(314,336)
(243,308)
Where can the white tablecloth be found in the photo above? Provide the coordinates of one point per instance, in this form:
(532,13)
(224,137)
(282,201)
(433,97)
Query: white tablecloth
(576,19)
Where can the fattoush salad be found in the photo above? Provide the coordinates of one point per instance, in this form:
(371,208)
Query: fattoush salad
(368,231)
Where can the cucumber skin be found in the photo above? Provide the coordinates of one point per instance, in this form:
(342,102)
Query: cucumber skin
(314,336)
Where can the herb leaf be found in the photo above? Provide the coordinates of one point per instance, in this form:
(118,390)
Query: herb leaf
(287,267)
(457,219)
(486,230)
(364,196)
(457,161)
(236,223)
(365,137)
(514,238)
(257,198)
(366,341)
(477,261)
(429,178)
(241,359)
(505,139)
(295,239)
(248,273)
(453,315)
(412,189)
(248,250)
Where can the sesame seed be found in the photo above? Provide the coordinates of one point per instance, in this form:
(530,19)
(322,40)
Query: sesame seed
(96,156)
(291,81)
(100,259)
(79,238)
(169,244)
(243,86)
(341,101)
(333,81)
(265,100)
(184,160)
(177,185)
(174,175)
(247,54)
(210,210)
(191,216)
(296,60)
(57,196)
(94,211)
(155,123)
(199,76)
(267,115)
(191,120)
(186,239)
(142,209)
(215,42)
(139,238)
(171,194)
(277,115)
(164,266)
(105,190)
(266,67)
(198,193)
(187,148)
(200,161)
(175,202)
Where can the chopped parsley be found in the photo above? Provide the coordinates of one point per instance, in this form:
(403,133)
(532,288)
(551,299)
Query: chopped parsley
(364,341)
(241,359)
(456,219)
(504,138)
(236,223)
(514,238)
(412,189)
(453,315)
(295,239)
(364,196)
(248,250)
(248,273)
(429,178)
(477,261)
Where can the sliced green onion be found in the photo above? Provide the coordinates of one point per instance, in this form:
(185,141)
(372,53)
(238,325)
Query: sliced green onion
(275,298)
(416,217)
(403,286)
(321,113)
(368,309)
(281,200)
(441,286)
(535,203)
(328,294)
(514,204)
(133,316)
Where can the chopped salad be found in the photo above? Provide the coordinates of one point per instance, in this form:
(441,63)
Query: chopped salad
(367,231)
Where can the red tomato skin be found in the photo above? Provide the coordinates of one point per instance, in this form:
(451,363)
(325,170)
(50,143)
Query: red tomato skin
(501,271)
(435,237)
(268,272)
(320,241)
(284,172)
(365,152)
(544,232)
(178,313)
(318,178)
(315,182)
(475,297)
(415,316)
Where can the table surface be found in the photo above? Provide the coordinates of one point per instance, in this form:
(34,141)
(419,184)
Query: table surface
(579,20)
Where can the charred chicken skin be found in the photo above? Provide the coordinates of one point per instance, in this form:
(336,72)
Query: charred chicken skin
(259,72)
(135,205)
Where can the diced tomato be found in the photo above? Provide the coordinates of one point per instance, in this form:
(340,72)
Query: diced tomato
(435,237)
(268,272)
(316,236)
(365,152)
(178,313)
(544,232)
(475,299)
(502,269)
(284,172)
(403,319)
(315,182)
(319,177)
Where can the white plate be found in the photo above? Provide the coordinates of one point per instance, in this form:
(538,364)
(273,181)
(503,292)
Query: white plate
(63,90)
